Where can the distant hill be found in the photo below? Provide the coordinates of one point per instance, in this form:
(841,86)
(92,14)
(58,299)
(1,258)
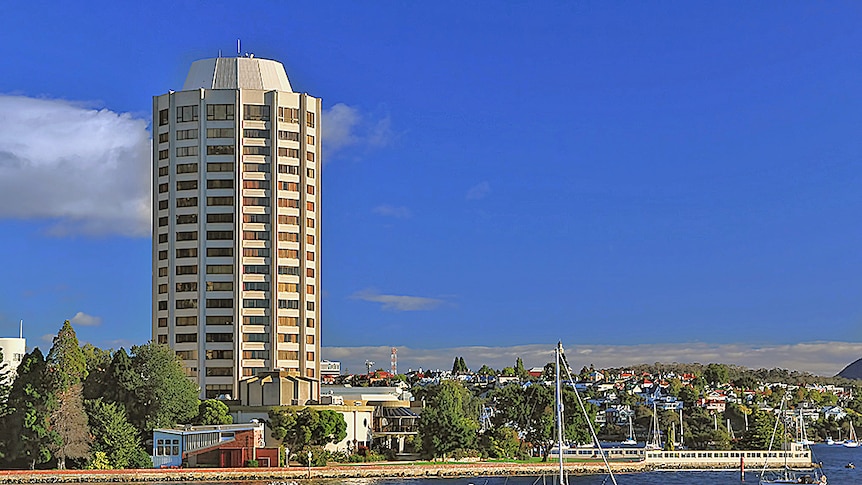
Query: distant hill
(852,371)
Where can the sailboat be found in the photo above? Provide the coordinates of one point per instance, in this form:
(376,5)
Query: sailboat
(787,474)
(654,442)
(851,441)
(630,441)
(558,398)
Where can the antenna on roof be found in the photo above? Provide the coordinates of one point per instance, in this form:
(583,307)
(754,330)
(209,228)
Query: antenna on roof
(238,51)
(219,53)
(21,330)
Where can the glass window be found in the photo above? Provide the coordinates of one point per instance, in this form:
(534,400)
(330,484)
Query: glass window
(255,112)
(163,117)
(219,320)
(220,112)
(219,149)
(187,113)
(219,132)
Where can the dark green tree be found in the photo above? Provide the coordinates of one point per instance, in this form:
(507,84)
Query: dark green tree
(486,371)
(31,402)
(114,437)
(716,374)
(450,419)
(530,411)
(5,388)
(298,428)
(161,394)
(213,411)
(520,371)
(700,432)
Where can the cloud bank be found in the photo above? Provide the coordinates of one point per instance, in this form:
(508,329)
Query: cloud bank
(399,303)
(85,170)
(819,358)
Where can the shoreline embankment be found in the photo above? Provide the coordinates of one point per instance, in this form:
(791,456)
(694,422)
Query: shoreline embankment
(340,471)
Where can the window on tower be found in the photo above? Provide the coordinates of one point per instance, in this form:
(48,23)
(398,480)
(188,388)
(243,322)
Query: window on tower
(187,113)
(255,112)
(220,112)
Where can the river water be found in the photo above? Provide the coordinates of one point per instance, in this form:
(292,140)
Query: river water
(834,459)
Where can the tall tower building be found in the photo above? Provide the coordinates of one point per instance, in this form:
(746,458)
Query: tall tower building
(236,232)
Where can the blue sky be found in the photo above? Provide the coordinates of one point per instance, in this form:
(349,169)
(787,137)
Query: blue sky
(642,177)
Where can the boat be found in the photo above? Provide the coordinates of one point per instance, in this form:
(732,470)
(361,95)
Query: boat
(560,361)
(654,442)
(787,474)
(803,436)
(829,440)
(630,441)
(851,441)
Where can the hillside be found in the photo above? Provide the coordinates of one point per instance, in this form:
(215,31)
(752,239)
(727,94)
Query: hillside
(852,371)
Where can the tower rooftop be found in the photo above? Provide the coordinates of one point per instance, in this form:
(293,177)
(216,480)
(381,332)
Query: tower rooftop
(237,73)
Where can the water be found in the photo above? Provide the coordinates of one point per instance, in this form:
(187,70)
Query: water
(834,458)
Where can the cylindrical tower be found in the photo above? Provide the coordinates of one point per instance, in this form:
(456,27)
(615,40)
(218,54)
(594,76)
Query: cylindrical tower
(236,233)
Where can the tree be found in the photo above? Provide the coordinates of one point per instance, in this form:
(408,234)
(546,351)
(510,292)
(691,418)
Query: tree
(5,388)
(213,411)
(486,371)
(299,428)
(700,432)
(67,367)
(520,371)
(449,420)
(459,367)
(530,411)
(31,401)
(760,431)
(716,374)
(69,423)
(162,395)
(115,440)
(66,362)
(501,442)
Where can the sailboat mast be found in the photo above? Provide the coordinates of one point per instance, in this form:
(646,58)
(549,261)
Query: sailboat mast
(558,397)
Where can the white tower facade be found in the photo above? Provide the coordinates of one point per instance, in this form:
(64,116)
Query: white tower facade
(236,225)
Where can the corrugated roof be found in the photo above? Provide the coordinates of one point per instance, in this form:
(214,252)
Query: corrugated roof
(237,73)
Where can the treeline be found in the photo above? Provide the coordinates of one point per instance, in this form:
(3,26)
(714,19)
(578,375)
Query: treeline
(84,407)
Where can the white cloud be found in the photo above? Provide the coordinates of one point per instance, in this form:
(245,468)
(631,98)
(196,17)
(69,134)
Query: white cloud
(819,358)
(400,303)
(399,212)
(345,126)
(86,170)
(85,320)
(48,337)
(479,191)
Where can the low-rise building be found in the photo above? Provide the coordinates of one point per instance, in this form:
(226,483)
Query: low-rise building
(224,446)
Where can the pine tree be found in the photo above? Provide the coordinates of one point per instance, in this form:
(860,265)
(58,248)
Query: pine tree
(520,371)
(67,367)
(66,362)
(115,440)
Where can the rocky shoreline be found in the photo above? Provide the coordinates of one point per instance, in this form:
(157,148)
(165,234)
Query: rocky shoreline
(388,470)
(340,471)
